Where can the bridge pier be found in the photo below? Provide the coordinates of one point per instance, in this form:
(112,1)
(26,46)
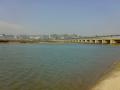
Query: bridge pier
(113,42)
(93,41)
(104,41)
(82,41)
(98,41)
(117,41)
(79,40)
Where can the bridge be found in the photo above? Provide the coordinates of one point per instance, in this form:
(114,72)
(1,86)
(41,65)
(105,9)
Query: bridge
(112,39)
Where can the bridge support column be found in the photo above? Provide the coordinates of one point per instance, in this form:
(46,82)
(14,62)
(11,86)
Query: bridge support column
(104,42)
(78,40)
(112,42)
(96,41)
(86,41)
(82,41)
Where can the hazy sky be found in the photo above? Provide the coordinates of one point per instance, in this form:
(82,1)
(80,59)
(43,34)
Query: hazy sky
(85,17)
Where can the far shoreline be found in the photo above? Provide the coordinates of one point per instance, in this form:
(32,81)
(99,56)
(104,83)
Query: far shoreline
(52,42)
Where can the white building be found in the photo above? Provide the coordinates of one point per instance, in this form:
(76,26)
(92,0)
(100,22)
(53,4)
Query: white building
(2,36)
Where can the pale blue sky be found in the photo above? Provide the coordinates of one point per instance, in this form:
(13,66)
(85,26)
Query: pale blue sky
(85,17)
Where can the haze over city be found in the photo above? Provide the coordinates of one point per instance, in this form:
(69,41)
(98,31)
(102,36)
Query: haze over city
(84,17)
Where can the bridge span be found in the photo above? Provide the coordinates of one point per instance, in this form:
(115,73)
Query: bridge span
(97,40)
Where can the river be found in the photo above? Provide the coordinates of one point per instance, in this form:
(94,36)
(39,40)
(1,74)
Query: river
(54,66)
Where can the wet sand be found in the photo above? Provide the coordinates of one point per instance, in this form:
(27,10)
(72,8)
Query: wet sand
(111,81)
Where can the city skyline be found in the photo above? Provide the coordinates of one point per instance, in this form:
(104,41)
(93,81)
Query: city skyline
(82,17)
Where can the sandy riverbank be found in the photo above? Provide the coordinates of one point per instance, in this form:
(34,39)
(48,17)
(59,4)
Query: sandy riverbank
(111,81)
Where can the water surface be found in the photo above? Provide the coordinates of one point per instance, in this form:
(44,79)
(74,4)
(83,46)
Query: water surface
(53,67)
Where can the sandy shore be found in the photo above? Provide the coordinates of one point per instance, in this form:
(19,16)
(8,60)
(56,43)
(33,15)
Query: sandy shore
(111,81)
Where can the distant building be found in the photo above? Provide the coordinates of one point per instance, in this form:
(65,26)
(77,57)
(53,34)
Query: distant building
(23,37)
(1,36)
(9,37)
(4,36)
(36,37)
(45,37)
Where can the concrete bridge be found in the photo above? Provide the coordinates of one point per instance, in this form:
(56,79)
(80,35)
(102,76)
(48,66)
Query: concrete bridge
(98,40)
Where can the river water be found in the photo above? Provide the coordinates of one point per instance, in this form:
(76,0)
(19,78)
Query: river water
(54,66)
